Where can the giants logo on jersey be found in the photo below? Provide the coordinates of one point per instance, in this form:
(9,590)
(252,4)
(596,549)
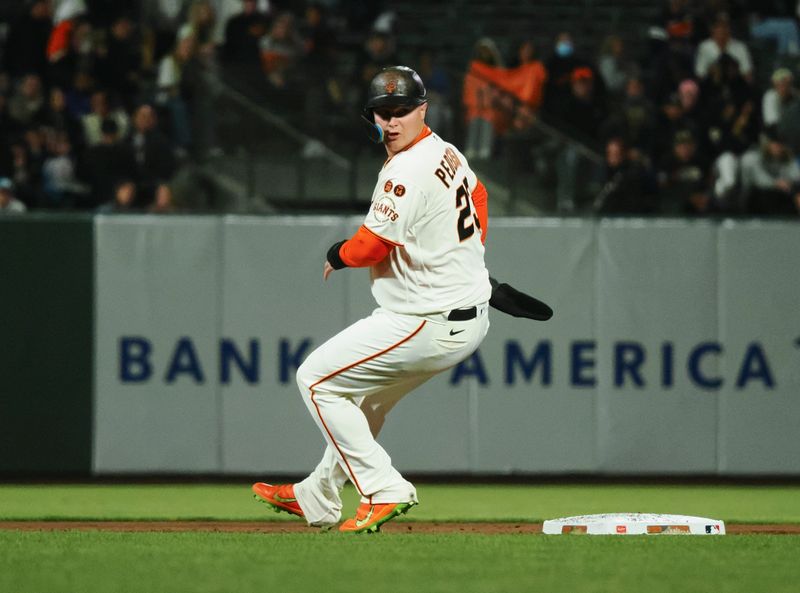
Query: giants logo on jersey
(384,209)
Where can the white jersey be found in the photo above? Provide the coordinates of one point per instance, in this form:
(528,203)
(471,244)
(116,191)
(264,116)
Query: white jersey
(422,204)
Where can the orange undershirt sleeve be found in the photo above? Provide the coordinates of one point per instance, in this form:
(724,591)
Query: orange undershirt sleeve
(364,249)
(480,197)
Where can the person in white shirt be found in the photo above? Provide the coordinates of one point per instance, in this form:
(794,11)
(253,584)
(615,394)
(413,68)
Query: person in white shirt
(721,42)
(422,240)
(8,203)
(779,97)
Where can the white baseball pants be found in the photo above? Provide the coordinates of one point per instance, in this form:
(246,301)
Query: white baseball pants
(353,380)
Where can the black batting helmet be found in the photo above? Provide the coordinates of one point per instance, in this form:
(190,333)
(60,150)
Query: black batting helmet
(394,86)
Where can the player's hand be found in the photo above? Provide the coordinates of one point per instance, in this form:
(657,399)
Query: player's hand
(326,270)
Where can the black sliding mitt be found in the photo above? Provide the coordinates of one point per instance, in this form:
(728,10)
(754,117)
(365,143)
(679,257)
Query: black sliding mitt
(511,301)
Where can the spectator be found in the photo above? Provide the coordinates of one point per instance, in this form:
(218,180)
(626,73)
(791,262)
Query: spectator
(122,61)
(6,156)
(6,125)
(377,52)
(683,179)
(26,106)
(581,114)
(678,20)
(771,178)
(777,21)
(317,34)
(788,126)
(324,84)
(281,48)
(57,117)
(163,202)
(8,203)
(634,120)
(583,110)
(27,40)
(101,111)
(59,180)
(78,55)
(152,152)
(243,33)
(102,166)
(67,17)
(692,108)
(79,95)
(732,121)
(35,153)
(778,98)
(672,62)
(560,67)
(201,24)
(24,171)
(483,120)
(625,189)
(170,91)
(721,42)
(683,110)
(729,103)
(524,83)
(614,66)
(124,201)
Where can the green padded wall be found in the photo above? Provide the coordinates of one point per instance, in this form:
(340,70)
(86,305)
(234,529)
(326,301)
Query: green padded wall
(46,336)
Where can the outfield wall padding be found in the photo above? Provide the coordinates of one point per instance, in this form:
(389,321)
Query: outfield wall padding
(46,337)
(673,349)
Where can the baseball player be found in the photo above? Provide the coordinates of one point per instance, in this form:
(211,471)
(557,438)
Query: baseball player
(422,240)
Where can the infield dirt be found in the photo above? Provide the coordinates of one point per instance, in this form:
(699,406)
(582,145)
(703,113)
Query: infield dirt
(297,527)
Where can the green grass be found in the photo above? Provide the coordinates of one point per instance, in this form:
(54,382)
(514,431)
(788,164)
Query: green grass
(89,562)
(100,562)
(753,504)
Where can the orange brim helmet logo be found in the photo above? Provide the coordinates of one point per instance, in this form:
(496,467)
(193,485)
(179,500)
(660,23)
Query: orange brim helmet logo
(391,87)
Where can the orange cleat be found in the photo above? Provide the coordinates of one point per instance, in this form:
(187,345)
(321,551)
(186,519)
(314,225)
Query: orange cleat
(370,517)
(280,498)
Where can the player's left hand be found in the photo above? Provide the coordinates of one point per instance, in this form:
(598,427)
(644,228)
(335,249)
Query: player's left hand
(326,270)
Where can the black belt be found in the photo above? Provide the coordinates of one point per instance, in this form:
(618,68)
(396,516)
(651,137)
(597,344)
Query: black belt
(463,314)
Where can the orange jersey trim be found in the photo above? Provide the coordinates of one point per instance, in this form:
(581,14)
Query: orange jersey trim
(480,198)
(364,249)
(342,370)
(426,131)
(381,237)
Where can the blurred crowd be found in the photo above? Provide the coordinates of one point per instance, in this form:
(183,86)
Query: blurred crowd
(103,103)
(690,127)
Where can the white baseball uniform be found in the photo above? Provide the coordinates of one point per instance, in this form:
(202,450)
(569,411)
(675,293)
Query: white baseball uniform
(422,205)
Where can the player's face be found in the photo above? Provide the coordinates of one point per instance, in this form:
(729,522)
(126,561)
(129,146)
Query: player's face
(400,125)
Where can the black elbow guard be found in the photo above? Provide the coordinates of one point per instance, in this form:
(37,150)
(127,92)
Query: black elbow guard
(333,257)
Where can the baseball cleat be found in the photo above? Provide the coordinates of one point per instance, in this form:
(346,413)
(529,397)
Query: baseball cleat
(370,517)
(280,498)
